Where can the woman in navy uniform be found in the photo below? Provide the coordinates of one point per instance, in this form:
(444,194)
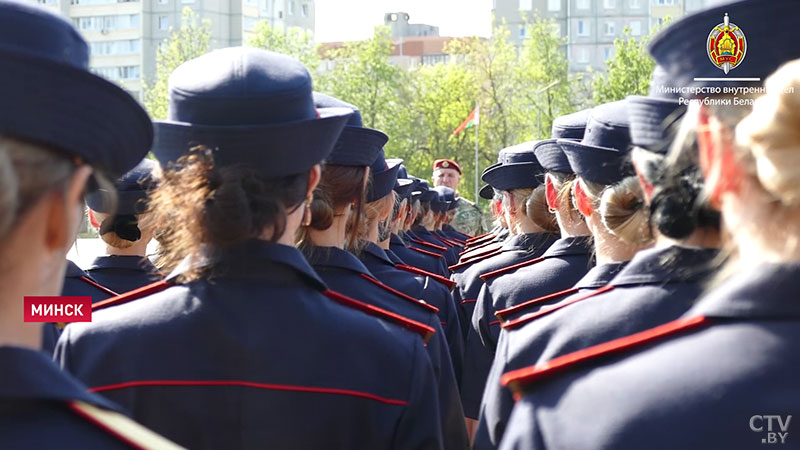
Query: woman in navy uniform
(126,232)
(248,348)
(330,232)
(722,375)
(659,284)
(59,124)
(372,229)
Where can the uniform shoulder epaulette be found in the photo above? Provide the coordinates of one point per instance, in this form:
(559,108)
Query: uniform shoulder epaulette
(135,294)
(421,329)
(528,303)
(475,238)
(477,258)
(449,243)
(511,268)
(429,244)
(515,323)
(122,428)
(88,280)
(478,245)
(403,295)
(518,380)
(434,276)
(426,252)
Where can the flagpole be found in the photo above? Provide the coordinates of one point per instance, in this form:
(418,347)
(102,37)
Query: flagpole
(477,179)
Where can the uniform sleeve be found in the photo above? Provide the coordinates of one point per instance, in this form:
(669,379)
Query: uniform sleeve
(420,425)
(524,432)
(451,325)
(496,403)
(477,361)
(454,429)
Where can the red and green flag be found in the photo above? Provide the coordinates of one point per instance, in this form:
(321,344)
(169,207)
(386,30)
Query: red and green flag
(473,119)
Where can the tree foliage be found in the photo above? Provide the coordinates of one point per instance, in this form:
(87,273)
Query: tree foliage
(187,42)
(294,42)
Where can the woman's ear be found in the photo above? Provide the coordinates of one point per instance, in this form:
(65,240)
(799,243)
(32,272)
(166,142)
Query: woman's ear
(551,193)
(65,211)
(584,204)
(718,161)
(647,187)
(314,175)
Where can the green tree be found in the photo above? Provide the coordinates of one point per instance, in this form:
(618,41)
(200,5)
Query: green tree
(295,42)
(628,71)
(187,42)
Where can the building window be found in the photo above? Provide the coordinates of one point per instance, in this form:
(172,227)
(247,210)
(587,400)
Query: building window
(121,47)
(583,4)
(584,28)
(609,4)
(608,53)
(435,59)
(105,23)
(291,8)
(304,10)
(118,72)
(526,5)
(610,28)
(187,1)
(583,55)
(634,4)
(636,28)
(163,23)
(249,23)
(554,5)
(666,2)
(163,2)
(93,2)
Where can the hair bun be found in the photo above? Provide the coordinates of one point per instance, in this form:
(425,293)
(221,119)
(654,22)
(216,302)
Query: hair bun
(8,190)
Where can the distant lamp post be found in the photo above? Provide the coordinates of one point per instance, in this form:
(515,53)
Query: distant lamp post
(539,110)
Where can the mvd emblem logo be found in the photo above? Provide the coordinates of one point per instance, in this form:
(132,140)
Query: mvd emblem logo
(774,428)
(726,45)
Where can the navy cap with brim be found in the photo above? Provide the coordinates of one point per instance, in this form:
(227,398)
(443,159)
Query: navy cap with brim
(131,192)
(506,177)
(453,205)
(50,97)
(769,28)
(652,121)
(600,165)
(486,192)
(403,187)
(383,182)
(570,126)
(551,156)
(357,147)
(278,143)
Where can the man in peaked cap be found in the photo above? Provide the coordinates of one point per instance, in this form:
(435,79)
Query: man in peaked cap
(468,217)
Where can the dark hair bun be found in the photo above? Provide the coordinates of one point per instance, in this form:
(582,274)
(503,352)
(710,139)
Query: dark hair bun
(676,205)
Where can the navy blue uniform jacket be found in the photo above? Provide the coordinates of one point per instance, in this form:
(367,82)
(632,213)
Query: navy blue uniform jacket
(345,273)
(707,381)
(564,263)
(419,258)
(257,356)
(123,273)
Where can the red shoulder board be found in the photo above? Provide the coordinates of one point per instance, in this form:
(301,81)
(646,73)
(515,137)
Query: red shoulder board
(423,330)
(428,244)
(449,243)
(484,251)
(426,252)
(517,380)
(458,241)
(135,294)
(472,248)
(510,268)
(476,258)
(475,238)
(402,295)
(108,291)
(524,305)
(511,324)
(445,281)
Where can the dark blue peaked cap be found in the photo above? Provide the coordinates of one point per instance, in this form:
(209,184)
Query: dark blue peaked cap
(403,187)
(769,28)
(486,192)
(423,192)
(384,177)
(549,153)
(356,146)
(446,198)
(251,107)
(653,118)
(519,169)
(50,97)
(602,155)
(132,189)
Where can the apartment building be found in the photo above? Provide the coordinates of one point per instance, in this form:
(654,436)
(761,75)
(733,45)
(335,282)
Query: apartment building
(124,35)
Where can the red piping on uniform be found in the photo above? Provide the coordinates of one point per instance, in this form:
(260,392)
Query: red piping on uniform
(104,427)
(479,237)
(429,253)
(474,259)
(250,384)
(545,310)
(516,379)
(135,294)
(497,272)
(428,244)
(535,301)
(423,330)
(494,322)
(447,282)
(464,302)
(472,248)
(399,294)
(483,254)
(98,285)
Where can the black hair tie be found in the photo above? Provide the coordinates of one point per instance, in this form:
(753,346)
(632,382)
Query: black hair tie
(126,226)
